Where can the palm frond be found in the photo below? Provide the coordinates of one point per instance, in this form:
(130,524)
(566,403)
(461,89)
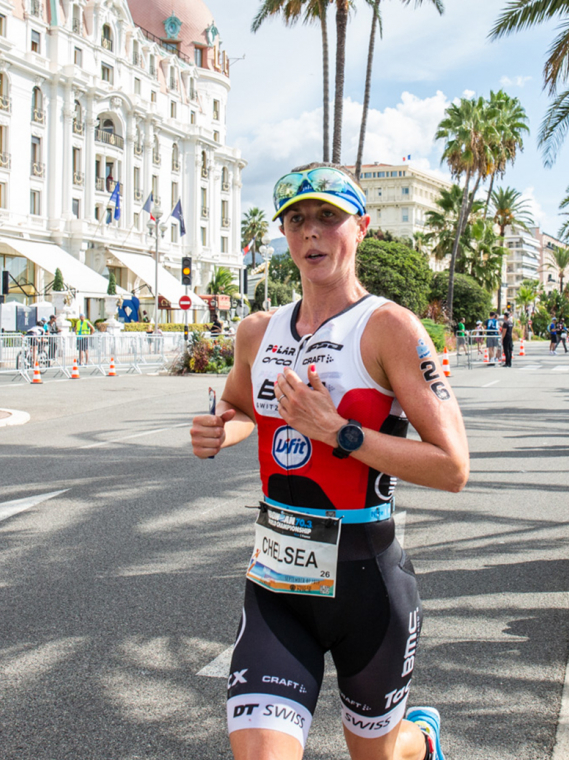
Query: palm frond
(522,14)
(554,128)
(557,65)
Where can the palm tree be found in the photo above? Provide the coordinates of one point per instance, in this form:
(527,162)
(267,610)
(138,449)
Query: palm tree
(342,9)
(485,256)
(563,233)
(315,11)
(469,132)
(253,226)
(510,210)
(525,297)
(560,263)
(511,122)
(376,18)
(522,14)
(222,282)
(443,223)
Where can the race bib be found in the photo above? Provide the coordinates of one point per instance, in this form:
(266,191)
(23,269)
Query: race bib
(295,553)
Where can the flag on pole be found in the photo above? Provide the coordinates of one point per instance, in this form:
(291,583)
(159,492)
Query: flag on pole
(408,158)
(148,205)
(248,247)
(116,199)
(178,214)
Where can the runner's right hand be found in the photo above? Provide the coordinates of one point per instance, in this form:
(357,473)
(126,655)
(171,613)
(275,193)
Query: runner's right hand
(208,433)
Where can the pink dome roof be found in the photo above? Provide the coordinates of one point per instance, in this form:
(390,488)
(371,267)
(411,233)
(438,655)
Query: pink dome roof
(194,15)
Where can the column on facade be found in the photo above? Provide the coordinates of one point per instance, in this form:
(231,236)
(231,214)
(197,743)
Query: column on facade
(53,176)
(215,209)
(147,157)
(235,185)
(128,179)
(196,205)
(90,120)
(67,151)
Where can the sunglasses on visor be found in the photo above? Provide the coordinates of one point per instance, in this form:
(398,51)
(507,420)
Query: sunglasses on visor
(321,180)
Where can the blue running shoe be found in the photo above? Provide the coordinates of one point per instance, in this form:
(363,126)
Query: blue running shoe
(429,721)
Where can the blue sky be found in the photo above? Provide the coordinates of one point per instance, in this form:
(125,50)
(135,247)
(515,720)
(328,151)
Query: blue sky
(422,64)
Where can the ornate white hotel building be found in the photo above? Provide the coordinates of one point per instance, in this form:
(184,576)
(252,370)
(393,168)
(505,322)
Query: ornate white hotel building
(95,92)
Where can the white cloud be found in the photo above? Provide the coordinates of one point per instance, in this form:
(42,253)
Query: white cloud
(519,81)
(469,94)
(542,219)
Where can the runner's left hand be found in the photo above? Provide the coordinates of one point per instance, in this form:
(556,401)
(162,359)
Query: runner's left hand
(310,410)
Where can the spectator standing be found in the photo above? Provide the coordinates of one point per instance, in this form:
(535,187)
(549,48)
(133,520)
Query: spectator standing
(83,329)
(478,335)
(52,331)
(461,337)
(492,337)
(507,342)
(553,336)
(562,334)
(217,326)
(530,329)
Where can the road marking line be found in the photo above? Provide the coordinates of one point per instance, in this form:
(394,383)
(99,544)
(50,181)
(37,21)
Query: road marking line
(11,508)
(218,668)
(530,366)
(561,748)
(489,384)
(136,435)
(560,368)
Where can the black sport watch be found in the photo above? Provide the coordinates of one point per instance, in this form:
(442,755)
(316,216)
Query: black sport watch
(350,437)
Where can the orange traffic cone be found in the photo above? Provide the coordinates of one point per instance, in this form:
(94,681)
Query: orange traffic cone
(37,375)
(446,364)
(522,352)
(112,370)
(486,360)
(75,372)
(503,359)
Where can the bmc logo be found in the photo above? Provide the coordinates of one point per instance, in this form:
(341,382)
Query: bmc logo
(291,449)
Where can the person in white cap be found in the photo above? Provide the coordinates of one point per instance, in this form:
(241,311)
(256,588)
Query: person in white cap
(83,329)
(479,335)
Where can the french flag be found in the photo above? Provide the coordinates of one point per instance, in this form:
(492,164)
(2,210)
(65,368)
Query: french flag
(408,158)
(248,247)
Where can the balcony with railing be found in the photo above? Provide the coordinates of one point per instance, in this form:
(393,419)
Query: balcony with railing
(156,158)
(138,149)
(173,83)
(78,127)
(38,170)
(38,116)
(137,60)
(205,172)
(35,8)
(78,179)
(137,194)
(175,165)
(100,184)
(107,43)
(225,222)
(76,26)
(5,103)
(153,71)
(225,186)
(109,138)
(5,160)
(205,212)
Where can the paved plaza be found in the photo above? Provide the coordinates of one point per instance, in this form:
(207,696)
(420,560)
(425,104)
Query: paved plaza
(122,569)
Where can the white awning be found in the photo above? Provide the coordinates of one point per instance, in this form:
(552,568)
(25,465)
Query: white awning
(50,257)
(168,286)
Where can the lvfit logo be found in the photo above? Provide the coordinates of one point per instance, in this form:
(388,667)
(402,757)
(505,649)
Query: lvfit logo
(291,449)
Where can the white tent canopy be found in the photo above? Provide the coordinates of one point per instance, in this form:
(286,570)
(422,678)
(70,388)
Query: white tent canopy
(50,257)
(168,286)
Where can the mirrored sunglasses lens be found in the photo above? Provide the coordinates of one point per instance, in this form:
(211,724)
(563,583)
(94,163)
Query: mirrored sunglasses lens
(327,180)
(287,187)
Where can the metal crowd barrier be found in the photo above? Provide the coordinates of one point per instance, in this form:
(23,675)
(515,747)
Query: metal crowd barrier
(472,348)
(55,354)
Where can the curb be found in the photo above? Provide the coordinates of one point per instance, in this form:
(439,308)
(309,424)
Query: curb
(14,417)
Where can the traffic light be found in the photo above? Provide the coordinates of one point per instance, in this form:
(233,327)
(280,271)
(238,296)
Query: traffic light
(186,271)
(509,306)
(245,282)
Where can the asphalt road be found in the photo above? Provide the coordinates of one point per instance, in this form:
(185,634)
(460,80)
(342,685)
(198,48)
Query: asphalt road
(115,593)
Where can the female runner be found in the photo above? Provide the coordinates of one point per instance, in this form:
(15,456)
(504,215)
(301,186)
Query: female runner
(332,383)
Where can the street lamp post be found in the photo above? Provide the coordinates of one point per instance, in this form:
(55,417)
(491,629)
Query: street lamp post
(266,252)
(157,230)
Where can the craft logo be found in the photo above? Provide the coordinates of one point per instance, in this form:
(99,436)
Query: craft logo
(385,486)
(323,344)
(291,449)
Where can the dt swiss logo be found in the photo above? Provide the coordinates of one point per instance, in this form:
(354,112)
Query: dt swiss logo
(291,449)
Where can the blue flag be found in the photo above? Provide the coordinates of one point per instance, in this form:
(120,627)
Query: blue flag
(116,199)
(178,214)
(148,205)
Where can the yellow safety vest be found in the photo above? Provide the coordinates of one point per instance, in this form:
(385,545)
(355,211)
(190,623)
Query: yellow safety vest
(83,328)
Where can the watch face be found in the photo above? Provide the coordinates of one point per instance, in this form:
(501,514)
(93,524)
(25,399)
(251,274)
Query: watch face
(350,437)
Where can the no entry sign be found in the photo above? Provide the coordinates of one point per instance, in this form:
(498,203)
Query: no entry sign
(185,302)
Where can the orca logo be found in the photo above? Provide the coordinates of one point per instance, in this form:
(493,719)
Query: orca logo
(291,449)
(384,486)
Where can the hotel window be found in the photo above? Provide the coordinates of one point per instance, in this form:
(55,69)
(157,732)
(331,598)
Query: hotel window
(174,233)
(174,193)
(153,96)
(381,174)
(136,86)
(216,136)
(76,207)
(3,194)
(204,235)
(224,244)
(137,188)
(379,214)
(193,117)
(404,191)
(36,41)
(192,88)
(379,191)
(78,57)
(216,110)
(225,213)
(155,188)
(199,57)
(173,109)
(136,219)
(404,214)
(36,150)
(2,26)
(35,202)
(107,73)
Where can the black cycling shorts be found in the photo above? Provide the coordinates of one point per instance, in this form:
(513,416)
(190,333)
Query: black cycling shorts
(371,628)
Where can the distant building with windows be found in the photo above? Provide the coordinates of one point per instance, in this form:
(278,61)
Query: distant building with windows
(523,262)
(95,94)
(398,197)
(548,271)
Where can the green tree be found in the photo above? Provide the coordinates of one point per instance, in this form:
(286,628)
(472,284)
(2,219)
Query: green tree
(485,258)
(112,286)
(564,229)
(222,282)
(395,271)
(560,263)
(508,209)
(523,14)
(442,225)
(312,11)
(469,131)
(253,226)
(470,300)
(58,283)
(279,293)
(524,299)
(283,269)
(375,21)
